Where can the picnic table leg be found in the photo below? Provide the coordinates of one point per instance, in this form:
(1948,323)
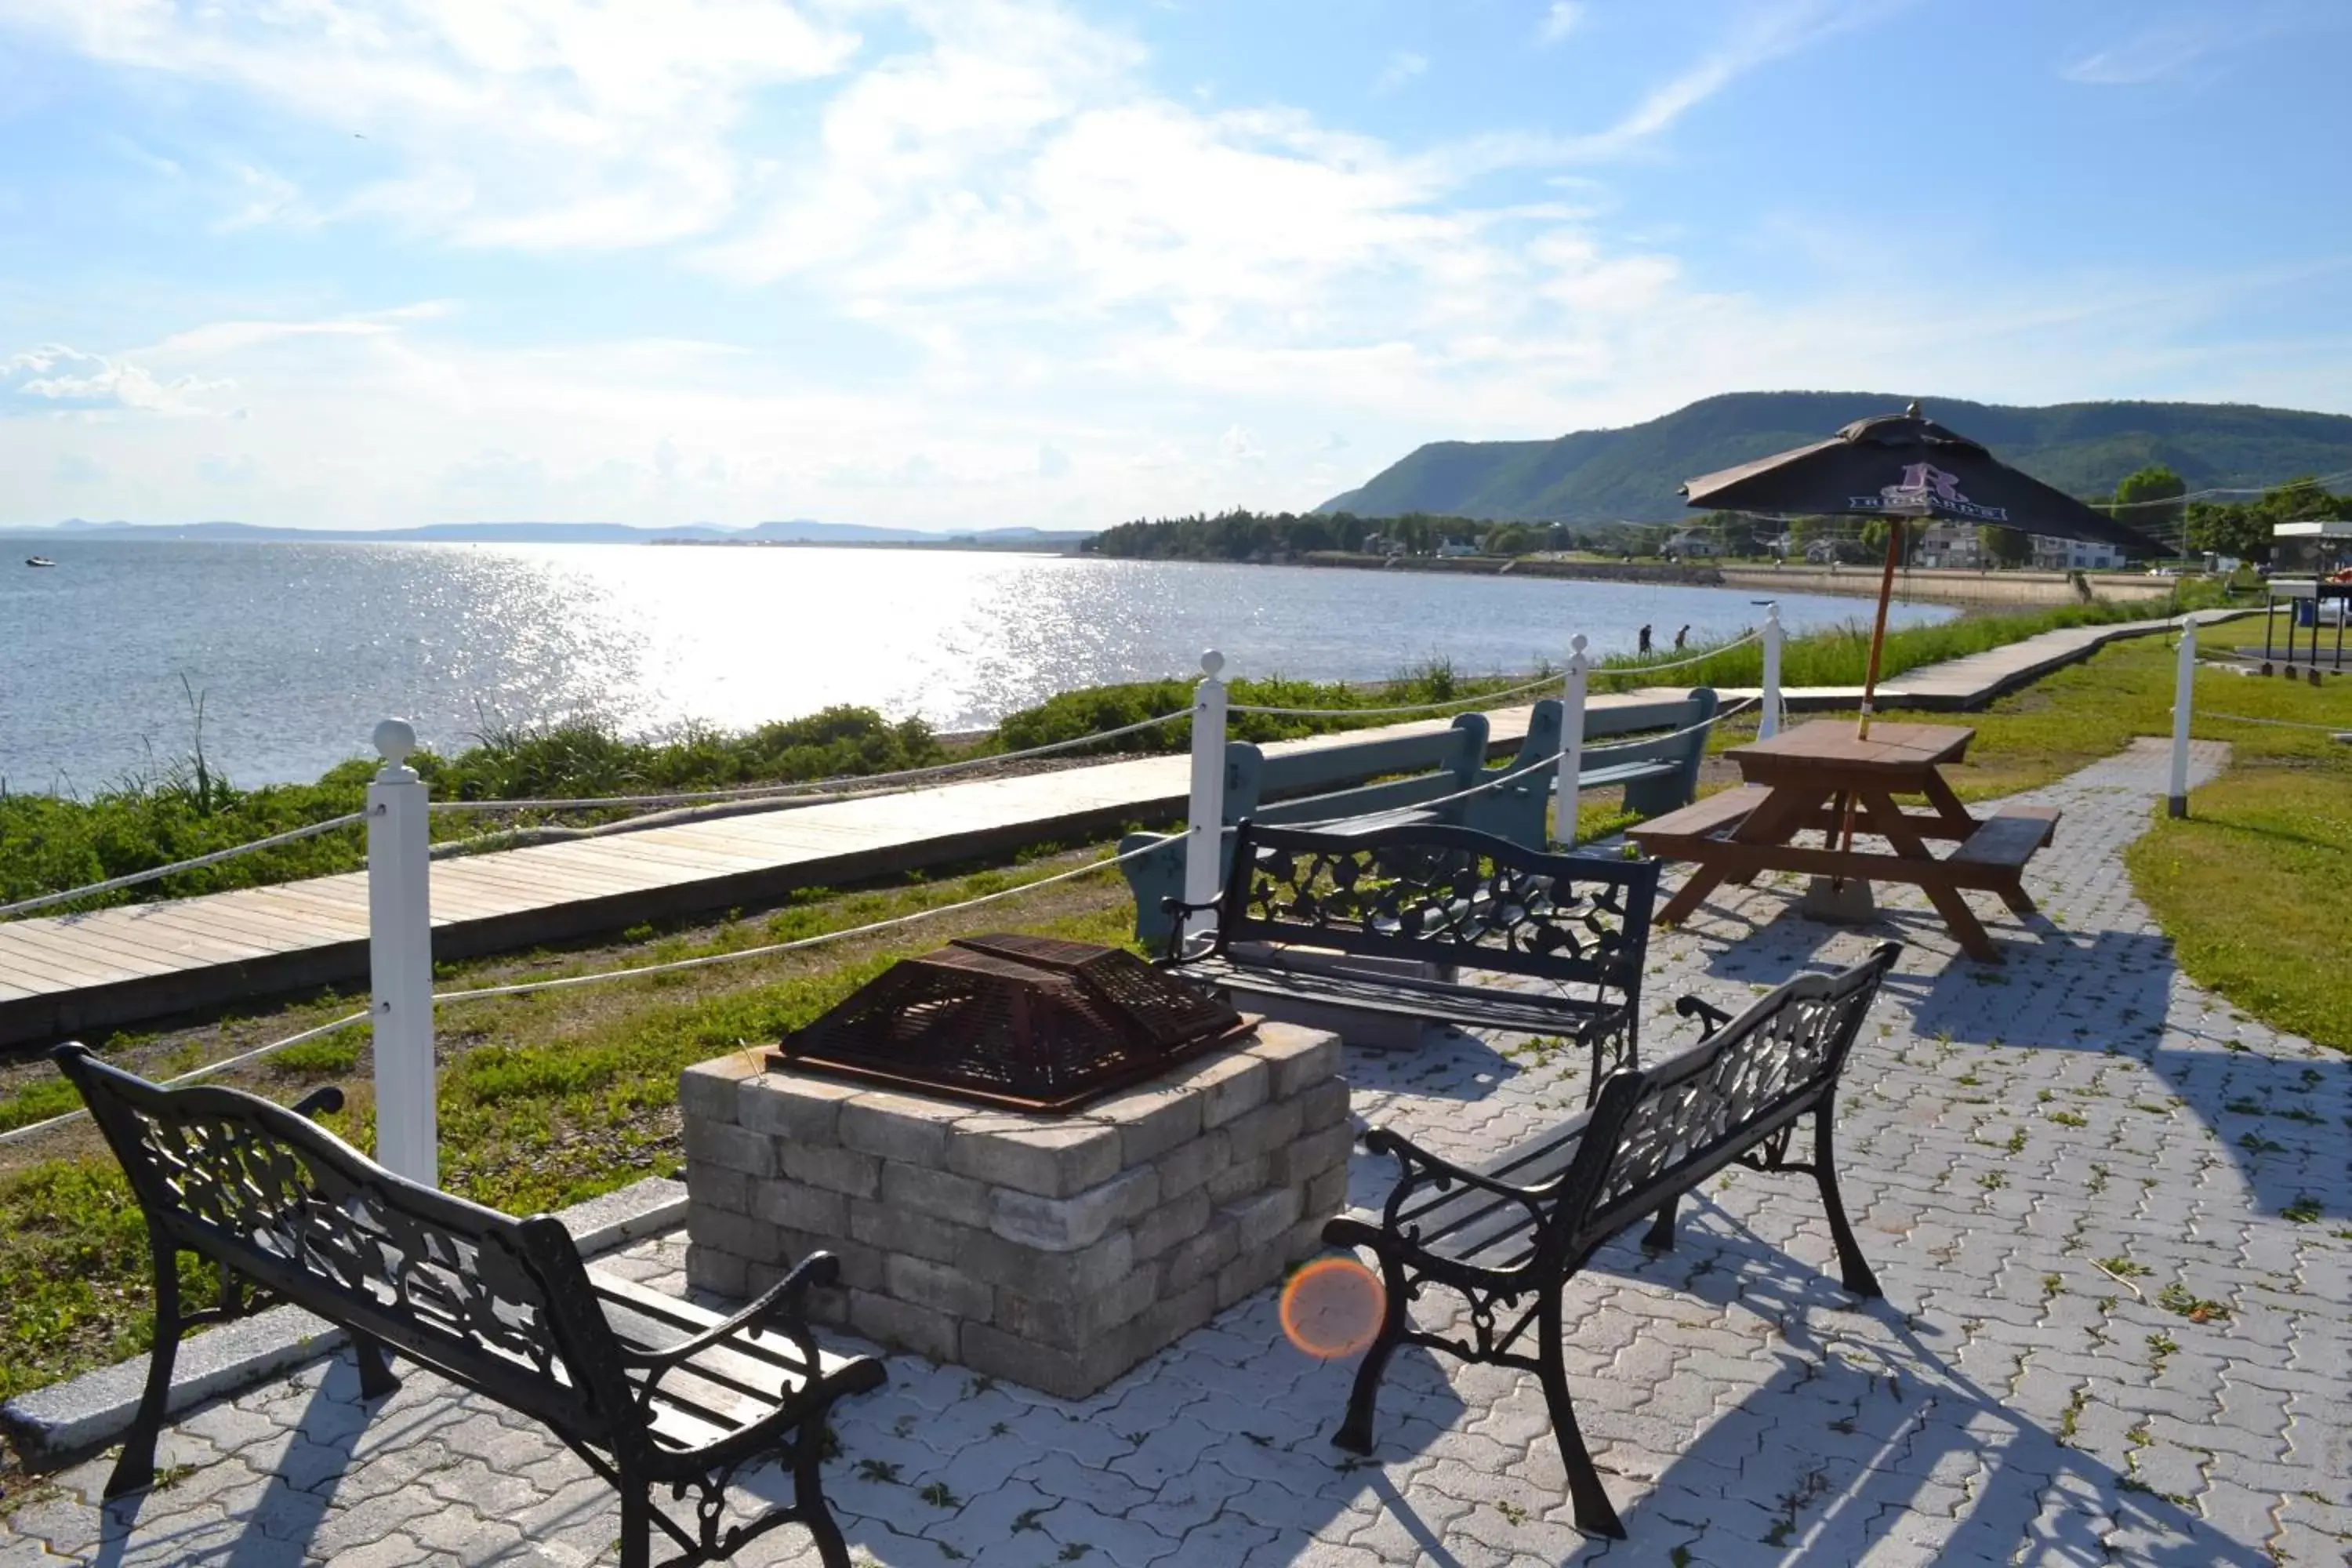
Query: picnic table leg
(1882,817)
(1771,823)
(1956,815)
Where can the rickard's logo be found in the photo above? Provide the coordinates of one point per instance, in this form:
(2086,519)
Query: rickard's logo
(1926,487)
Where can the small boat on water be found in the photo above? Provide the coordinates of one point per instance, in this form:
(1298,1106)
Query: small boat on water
(39,560)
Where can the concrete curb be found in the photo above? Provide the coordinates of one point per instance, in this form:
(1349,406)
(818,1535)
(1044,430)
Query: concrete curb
(51,1426)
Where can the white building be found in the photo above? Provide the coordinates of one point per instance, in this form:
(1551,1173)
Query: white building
(1951,545)
(2075,555)
(1688,542)
(1454,548)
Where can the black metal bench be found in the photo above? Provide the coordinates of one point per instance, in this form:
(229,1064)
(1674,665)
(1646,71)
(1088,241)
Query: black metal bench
(1522,1224)
(651,1391)
(1300,903)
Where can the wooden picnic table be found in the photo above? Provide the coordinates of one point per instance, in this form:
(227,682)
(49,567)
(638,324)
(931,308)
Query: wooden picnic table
(1806,778)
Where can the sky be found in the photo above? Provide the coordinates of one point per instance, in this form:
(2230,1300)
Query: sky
(988,263)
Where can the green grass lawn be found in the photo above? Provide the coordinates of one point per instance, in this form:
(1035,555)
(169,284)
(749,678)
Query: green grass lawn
(2254,888)
(545,1099)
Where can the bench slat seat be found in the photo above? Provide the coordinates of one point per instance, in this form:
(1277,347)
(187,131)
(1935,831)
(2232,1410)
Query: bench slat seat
(2009,837)
(1721,812)
(656,1395)
(1326,916)
(1508,1234)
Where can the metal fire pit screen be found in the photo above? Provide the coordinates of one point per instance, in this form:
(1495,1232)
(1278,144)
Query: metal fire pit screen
(1019,1021)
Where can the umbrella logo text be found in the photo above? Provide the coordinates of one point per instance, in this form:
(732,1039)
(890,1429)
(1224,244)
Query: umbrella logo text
(1926,487)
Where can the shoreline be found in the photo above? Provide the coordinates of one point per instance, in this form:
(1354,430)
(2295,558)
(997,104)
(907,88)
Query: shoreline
(1917,584)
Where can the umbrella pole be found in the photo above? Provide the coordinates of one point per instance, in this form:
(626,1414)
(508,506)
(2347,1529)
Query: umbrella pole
(1870,678)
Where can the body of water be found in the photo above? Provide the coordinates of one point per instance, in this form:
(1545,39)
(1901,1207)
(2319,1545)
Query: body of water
(299,648)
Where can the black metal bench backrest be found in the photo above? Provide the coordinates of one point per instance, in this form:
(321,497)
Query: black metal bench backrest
(1656,1132)
(501,1303)
(1433,893)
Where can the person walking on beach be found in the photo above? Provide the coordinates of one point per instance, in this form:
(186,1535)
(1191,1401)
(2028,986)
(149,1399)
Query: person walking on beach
(1682,637)
(1645,638)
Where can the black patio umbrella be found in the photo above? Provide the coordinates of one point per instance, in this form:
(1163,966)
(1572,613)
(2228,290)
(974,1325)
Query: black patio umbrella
(1905,466)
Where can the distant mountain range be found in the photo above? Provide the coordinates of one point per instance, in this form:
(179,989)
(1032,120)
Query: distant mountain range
(800,530)
(1632,474)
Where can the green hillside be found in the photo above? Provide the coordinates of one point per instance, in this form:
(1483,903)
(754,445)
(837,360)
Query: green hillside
(1601,476)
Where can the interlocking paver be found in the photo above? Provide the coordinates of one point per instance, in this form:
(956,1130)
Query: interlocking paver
(2020,1143)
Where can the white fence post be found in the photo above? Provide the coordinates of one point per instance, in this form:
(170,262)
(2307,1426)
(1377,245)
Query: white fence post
(1205,835)
(400,960)
(1768,723)
(2184,703)
(1571,743)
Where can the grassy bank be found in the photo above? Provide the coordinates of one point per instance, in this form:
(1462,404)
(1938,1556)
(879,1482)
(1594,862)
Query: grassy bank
(545,1099)
(186,809)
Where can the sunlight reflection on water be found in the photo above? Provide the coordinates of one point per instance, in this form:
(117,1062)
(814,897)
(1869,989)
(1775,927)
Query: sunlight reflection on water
(299,649)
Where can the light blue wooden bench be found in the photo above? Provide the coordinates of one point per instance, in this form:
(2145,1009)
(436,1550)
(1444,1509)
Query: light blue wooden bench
(1325,785)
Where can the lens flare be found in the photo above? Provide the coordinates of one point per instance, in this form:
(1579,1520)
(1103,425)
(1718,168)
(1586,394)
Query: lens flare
(1332,1308)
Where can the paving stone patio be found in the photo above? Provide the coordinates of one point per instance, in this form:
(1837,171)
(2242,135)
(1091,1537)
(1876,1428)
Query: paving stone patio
(2045,1160)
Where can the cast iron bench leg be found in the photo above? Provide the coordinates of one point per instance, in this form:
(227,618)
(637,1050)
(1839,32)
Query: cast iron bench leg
(1355,1433)
(1594,1515)
(135,1470)
(376,1379)
(1853,1266)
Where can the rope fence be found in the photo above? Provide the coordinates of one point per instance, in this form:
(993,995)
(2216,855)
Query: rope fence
(637,971)
(115,884)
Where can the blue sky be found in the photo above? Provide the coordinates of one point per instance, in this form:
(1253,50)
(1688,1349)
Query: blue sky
(992,262)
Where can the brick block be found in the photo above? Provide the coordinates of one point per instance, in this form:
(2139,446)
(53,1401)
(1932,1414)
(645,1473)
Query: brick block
(1327,1194)
(898,1127)
(1295,1057)
(940,1286)
(1324,1103)
(1051,1160)
(1229,1086)
(904,1324)
(1073,1325)
(1151,1120)
(1189,1165)
(1262,1132)
(995,1353)
(1236,1179)
(730,1147)
(793,1106)
(837,1170)
(1303,1241)
(991,1257)
(753,1240)
(1263,1219)
(718,1186)
(888,1228)
(1170,1223)
(942,1194)
(707,1090)
(723,1273)
(861,1266)
(1199,1258)
(795,1206)
(1064,1224)
(1170,1318)
(1310,1154)
(1251,1272)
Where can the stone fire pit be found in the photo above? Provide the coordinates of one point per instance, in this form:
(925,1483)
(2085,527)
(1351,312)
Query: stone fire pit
(1053,1251)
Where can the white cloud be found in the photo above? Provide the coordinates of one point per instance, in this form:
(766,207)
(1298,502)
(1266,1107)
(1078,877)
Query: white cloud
(55,379)
(2150,54)
(1561,19)
(1403,67)
(532,123)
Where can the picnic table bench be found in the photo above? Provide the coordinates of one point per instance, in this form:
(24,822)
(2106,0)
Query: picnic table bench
(1817,777)
(651,1391)
(1317,915)
(1657,768)
(1521,1225)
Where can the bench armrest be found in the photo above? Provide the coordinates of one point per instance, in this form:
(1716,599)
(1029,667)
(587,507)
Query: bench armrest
(783,1310)
(1713,1017)
(1421,1168)
(1176,909)
(322,1101)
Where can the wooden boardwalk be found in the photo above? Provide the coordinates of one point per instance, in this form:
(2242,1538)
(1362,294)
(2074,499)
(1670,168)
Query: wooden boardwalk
(89,973)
